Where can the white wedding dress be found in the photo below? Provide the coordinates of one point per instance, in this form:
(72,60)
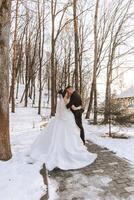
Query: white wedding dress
(59,144)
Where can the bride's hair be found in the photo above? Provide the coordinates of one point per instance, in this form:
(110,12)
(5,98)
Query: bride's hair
(62,92)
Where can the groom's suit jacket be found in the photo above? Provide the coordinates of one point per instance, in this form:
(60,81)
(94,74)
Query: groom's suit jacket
(75,100)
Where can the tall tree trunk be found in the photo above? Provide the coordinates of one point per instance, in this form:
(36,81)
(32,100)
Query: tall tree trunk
(27,60)
(14,65)
(80,72)
(53,81)
(5,11)
(69,66)
(95,60)
(48,81)
(76,42)
(90,103)
(93,93)
(108,87)
(41,53)
(107,95)
(81,48)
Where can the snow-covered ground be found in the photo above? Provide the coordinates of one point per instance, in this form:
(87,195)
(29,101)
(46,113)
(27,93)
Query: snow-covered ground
(20,180)
(123,147)
(78,187)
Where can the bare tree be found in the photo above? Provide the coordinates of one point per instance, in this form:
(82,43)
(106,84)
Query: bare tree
(94,84)
(54,37)
(41,49)
(14,61)
(121,15)
(76,44)
(5,11)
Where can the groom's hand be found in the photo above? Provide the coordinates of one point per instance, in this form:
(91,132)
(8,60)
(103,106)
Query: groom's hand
(69,105)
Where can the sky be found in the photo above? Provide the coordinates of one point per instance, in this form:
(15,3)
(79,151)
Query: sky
(129,78)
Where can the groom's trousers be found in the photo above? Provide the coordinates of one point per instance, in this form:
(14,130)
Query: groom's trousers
(78,119)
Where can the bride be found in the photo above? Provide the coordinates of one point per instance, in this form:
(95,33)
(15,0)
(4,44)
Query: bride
(60,145)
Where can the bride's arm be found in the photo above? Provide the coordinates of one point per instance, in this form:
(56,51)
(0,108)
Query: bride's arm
(66,98)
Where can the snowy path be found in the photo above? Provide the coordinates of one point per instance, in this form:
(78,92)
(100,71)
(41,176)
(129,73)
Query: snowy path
(108,178)
(20,180)
(124,148)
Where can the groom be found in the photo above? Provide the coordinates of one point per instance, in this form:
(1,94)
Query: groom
(75,99)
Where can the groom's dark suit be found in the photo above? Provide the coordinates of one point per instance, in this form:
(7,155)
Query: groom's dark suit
(75,100)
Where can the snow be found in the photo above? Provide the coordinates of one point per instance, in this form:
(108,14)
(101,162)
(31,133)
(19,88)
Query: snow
(20,180)
(89,183)
(52,189)
(124,148)
(79,185)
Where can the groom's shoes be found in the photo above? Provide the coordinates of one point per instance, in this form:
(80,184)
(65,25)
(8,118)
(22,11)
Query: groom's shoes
(84,142)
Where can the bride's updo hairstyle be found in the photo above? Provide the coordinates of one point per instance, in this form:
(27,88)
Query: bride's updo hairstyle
(62,92)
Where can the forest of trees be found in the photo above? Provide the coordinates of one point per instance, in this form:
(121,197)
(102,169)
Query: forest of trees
(51,44)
